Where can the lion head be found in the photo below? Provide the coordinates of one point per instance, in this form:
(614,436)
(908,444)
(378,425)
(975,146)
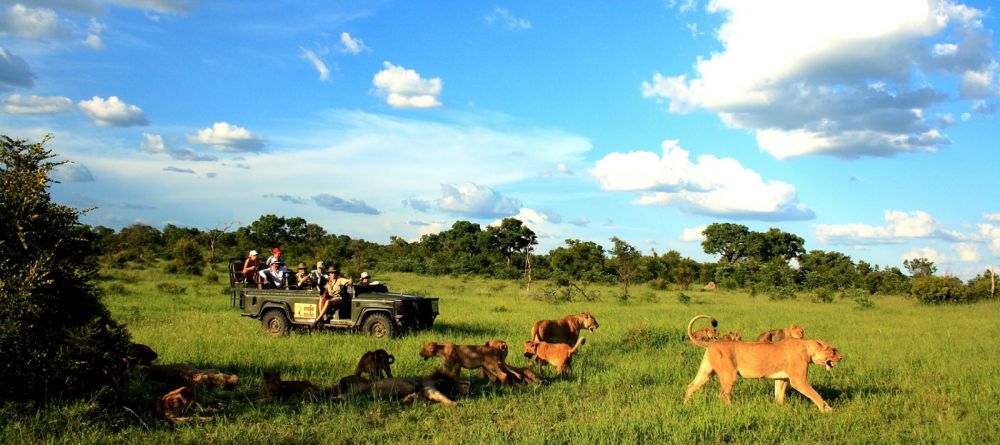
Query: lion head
(796,332)
(823,353)
(429,350)
(500,346)
(589,321)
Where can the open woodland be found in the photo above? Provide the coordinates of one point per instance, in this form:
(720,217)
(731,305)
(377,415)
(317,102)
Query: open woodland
(911,372)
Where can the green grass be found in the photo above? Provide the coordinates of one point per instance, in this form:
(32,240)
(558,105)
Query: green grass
(911,373)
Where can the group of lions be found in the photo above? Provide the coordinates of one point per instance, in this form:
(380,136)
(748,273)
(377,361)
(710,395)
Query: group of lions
(782,355)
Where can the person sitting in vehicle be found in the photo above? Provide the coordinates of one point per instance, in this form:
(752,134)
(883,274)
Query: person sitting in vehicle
(334,291)
(275,257)
(250,268)
(318,276)
(273,277)
(303,280)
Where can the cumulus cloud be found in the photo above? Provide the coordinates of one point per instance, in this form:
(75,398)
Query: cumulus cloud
(967,253)
(470,200)
(324,72)
(73,172)
(476,201)
(14,71)
(154,144)
(844,79)
(924,252)
(694,234)
(32,23)
(18,104)
(899,227)
(352,45)
(404,88)
(503,17)
(983,107)
(112,112)
(991,235)
(336,204)
(708,186)
(228,138)
(992,217)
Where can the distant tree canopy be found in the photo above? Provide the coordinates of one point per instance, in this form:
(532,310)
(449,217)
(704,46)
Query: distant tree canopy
(57,337)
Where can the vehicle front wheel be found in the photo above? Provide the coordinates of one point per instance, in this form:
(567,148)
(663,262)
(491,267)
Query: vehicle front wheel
(379,326)
(275,323)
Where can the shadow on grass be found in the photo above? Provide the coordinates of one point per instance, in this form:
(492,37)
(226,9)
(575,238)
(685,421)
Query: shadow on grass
(460,329)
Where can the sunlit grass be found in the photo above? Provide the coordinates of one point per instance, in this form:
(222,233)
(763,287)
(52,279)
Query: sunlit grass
(911,373)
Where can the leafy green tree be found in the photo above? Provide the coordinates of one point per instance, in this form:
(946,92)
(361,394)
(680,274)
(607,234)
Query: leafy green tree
(933,289)
(625,259)
(57,336)
(727,240)
(579,260)
(511,236)
(832,270)
(920,267)
(766,246)
(186,257)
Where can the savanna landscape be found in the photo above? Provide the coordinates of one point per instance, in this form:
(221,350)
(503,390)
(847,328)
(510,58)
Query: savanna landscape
(911,372)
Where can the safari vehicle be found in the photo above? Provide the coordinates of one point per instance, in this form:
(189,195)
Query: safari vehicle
(372,309)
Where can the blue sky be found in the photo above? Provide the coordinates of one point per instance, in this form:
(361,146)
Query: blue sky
(867,128)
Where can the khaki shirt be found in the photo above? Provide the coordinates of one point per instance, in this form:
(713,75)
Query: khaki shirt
(335,288)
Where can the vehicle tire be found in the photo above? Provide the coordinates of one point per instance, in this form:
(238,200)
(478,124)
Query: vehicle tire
(379,326)
(275,323)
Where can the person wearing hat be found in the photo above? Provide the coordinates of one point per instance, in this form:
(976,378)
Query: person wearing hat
(302,279)
(250,268)
(275,257)
(333,292)
(318,275)
(273,277)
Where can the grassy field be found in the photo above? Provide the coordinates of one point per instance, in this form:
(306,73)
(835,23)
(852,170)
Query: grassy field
(911,373)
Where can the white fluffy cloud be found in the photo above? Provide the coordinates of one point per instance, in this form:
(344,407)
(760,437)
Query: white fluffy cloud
(404,88)
(967,252)
(32,23)
(352,45)
(73,172)
(708,186)
(847,78)
(925,252)
(477,201)
(899,227)
(112,112)
(228,138)
(154,143)
(991,235)
(18,104)
(694,234)
(992,217)
(94,31)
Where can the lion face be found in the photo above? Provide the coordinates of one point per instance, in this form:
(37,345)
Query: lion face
(429,350)
(796,332)
(500,346)
(825,354)
(590,322)
(530,349)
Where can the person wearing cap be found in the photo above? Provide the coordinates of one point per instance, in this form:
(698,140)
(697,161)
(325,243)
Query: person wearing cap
(273,277)
(303,279)
(333,292)
(318,275)
(250,267)
(275,257)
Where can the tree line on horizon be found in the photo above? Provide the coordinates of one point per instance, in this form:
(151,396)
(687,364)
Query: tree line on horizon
(773,262)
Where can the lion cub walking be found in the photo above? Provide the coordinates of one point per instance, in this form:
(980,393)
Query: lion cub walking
(559,355)
(785,362)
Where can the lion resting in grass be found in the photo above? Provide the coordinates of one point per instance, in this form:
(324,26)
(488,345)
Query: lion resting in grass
(438,387)
(185,374)
(454,357)
(175,405)
(781,334)
(565,330)
(785,362)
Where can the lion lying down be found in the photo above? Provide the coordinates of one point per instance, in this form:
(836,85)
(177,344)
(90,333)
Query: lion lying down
(438,387)
(785,362)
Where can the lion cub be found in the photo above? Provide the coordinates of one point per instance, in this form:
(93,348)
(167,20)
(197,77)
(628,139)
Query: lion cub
(376,364)
(275,388)
(559,355)
(780,334)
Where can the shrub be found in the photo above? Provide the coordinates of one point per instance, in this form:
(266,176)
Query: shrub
(864,303)
(171,288)
(187,257)
(57,337)
(934,289)
(683,298)
(211,277)
(781,293)
(822,295)
(659,284)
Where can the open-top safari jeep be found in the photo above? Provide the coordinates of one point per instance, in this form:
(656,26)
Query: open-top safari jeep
(373,309)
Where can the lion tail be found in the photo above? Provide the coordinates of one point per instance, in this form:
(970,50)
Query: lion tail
(579,342)
(691,323)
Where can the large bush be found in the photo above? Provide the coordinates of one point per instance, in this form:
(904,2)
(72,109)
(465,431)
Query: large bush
(57,337)
(935,289)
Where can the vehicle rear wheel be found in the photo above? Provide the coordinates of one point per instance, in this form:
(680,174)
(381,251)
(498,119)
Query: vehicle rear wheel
(275,323)
(379,326)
